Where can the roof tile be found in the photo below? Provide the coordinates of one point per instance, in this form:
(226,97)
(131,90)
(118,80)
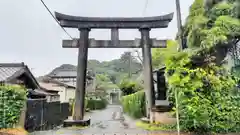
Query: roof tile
(6,72)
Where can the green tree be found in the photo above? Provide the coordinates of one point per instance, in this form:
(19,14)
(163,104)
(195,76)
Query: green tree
(102,80)
(128,86)
(160,55)
(204,88)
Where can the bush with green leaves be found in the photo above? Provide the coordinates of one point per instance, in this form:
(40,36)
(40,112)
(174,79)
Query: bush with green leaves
(12,100)
(91,103)
(207,98)
(134,104)
(96,103)
(129,87)
(205,95)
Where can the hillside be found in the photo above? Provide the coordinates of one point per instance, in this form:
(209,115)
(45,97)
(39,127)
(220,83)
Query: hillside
(114,69)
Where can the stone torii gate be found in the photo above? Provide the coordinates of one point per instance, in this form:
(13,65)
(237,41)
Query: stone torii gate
(85,24)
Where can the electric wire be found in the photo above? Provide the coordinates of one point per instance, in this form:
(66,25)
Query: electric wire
(145,7)
(55,18)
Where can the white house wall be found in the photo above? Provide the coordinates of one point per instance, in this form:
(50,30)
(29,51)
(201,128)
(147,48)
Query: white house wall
(62,95)
(70,94)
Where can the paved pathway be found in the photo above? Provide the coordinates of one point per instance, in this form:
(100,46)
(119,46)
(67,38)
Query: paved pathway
(108,121)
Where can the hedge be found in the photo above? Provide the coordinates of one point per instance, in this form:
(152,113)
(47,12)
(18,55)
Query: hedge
(13,98)
(134,104)
(95,104)
(91,104)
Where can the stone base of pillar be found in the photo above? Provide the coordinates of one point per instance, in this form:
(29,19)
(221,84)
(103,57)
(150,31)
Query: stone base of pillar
(162,117)
(145,120)
(82,123)
(161,113)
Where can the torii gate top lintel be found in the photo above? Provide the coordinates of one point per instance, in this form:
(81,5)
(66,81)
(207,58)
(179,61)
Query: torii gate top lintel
(114,22)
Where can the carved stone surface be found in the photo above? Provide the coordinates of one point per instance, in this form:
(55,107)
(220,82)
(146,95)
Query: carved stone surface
(114,22)
(154,43)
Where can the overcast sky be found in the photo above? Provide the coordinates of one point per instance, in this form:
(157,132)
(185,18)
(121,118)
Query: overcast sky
(29,34)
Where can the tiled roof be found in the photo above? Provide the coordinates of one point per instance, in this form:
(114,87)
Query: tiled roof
(65,73)
(71,84)
(54,81)
(7,70)
(10,71)
(40,91)
(50,86)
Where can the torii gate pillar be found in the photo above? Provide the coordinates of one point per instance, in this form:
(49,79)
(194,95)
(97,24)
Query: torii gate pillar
(83,43)
(147,69)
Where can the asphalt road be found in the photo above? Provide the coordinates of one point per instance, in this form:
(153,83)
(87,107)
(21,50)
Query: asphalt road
(108,121)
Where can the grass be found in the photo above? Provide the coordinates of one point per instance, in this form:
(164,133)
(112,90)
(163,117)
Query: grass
(155,126)
(169,129)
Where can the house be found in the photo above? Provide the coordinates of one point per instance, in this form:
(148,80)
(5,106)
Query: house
(63,79)
(19,73)
(66,89)
(68,75)
(51,90)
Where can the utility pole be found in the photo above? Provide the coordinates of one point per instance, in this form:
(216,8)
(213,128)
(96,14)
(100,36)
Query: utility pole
(180,39)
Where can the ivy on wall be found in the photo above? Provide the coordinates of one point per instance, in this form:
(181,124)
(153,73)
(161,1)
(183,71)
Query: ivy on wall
(12,100)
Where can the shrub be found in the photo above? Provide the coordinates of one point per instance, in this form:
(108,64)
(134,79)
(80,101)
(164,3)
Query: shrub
(205,95)
(13,98)
(134,104)
(129,87)
(91,103)
(95,104)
